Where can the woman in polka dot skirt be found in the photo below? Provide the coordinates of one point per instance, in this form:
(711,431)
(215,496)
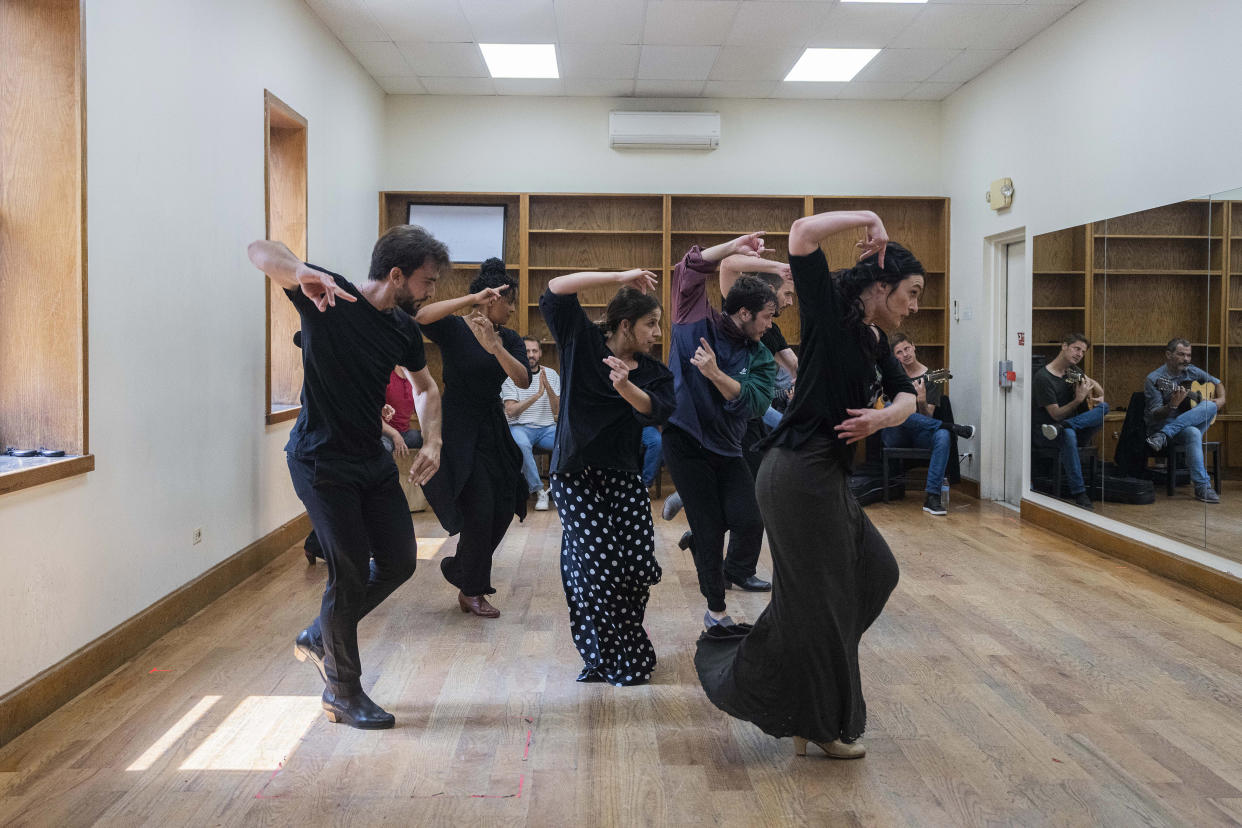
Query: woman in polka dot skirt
(610,389)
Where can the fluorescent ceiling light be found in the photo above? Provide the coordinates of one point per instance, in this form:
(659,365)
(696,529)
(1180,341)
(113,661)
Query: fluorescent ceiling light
(520,60)
(830,64)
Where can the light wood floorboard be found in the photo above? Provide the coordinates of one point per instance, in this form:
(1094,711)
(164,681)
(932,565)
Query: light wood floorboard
(1015,678)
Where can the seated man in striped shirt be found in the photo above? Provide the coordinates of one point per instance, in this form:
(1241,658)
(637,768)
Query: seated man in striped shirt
(532,416)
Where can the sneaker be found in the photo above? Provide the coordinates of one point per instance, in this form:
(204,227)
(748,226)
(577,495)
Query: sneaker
(963,431)
(1158,441)
(1083,501)
(541,501)
(672,505)
(709,622)
(1051,431)
(1207,494)
(931,504)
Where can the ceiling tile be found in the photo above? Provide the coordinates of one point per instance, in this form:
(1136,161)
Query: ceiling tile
(380,59)
(777,24)
(667,88)
(966,65)
(856,90)
(1022,24)
(348,20)
(677,62)
(599,87)
(547,87)
(808,89)
(933,91)
(754,63)
(691,22)
(511,21)
(460,86)
(600,60)
(592,21)
(402,86)
(445,59)
(955,27)
(421,20)
(899,65)
(864,26)
(739,89)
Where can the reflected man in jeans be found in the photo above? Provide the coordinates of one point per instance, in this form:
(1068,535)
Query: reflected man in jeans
(1166,389)
(1062,399)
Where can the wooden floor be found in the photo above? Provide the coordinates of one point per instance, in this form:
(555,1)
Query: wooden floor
(1216,527)
(1014,679)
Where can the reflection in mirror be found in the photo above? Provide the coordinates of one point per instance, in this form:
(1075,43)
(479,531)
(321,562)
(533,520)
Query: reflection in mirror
(1136,335)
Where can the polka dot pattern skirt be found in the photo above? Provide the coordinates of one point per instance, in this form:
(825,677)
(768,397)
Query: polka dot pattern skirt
(608,567)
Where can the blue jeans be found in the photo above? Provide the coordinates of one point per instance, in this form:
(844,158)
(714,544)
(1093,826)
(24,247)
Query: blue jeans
(1186,429)
(653,454)
(529,438)
(772,417)
(920,431)
(1077,430)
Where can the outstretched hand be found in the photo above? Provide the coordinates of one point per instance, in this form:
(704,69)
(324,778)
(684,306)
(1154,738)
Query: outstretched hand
(704,359)
(488,296)
(321,288)
(644,280)
(749,245)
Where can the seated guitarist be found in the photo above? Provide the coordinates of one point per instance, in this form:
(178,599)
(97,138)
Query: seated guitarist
(1168,392)
(921,429)
(1060,410)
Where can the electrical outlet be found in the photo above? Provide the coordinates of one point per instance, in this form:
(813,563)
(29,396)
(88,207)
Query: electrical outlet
(967,458)
(196,536)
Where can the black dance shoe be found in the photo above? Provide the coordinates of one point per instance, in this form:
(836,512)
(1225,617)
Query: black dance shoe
(751,584)
(306,648)
(357,711)
(687,538)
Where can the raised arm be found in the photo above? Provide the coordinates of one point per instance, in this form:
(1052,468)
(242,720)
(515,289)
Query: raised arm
(427,405)
(447,307)
(806,233)
(644,280)
(732,268)
(290,272)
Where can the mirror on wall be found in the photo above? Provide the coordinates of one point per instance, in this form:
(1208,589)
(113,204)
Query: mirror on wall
(1137,329)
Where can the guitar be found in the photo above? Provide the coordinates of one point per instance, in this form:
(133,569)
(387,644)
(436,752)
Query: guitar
(934,376)
(1075,376)
(1196,392)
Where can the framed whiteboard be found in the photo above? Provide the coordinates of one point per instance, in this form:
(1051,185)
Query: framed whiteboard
(472,232)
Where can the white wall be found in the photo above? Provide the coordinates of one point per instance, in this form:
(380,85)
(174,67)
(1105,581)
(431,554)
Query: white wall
(1120,106)
(528,144)
(175,191)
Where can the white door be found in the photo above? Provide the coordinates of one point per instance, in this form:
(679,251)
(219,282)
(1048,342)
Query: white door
(1015,415)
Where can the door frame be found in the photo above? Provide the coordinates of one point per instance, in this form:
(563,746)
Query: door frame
(992,401)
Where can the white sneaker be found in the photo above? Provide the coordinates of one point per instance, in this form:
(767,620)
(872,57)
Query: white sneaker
(541,501)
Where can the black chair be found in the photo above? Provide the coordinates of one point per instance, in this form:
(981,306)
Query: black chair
(902,454)
(1088,455)
(1174,452)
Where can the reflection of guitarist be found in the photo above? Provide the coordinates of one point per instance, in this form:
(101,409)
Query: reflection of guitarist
(1174,417)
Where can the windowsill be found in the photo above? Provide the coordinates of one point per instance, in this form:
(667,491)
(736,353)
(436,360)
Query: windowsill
(284,414)
(23,472)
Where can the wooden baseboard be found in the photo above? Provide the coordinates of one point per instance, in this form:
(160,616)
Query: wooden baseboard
(1189,573)
(969,487)
(25,706)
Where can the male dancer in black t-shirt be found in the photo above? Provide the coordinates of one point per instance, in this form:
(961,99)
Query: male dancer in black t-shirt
(351,338)
(1068,408)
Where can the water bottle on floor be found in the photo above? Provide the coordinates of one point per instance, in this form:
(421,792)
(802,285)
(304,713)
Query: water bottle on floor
(944,493)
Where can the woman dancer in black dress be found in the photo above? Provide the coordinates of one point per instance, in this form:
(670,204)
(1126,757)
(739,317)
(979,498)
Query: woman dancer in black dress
(479,487)
(610,390)
(796,672)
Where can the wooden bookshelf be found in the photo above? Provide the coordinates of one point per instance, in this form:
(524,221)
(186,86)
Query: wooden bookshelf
(549,234)
(1134,282)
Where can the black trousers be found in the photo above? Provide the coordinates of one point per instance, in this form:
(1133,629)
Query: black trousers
(486,505)
(363,524)
(719,496)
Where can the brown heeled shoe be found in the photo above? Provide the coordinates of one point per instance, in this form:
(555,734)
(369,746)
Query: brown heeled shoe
(477,605)
(836,749)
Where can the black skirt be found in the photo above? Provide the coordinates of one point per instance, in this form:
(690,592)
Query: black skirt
(796,672)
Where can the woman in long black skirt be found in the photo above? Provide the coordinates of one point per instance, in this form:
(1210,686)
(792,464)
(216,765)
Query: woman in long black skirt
(796,672)
(479,487)
(610,389)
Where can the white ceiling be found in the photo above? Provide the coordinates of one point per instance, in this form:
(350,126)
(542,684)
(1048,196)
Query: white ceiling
(684,48)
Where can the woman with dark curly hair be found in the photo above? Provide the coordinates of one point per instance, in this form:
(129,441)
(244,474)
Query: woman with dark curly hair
(479,487)
(796,672)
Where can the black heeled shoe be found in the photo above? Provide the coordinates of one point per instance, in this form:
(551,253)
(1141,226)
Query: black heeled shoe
(356,711)
(306,648)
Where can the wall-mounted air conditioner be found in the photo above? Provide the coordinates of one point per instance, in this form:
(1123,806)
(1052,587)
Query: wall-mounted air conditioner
(664,130)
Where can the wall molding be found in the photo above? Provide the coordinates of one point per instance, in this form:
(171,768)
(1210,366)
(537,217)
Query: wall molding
(32,701)
(1219,585)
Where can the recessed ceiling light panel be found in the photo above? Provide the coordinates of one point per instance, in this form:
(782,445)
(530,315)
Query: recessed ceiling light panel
(830,64)
(883,1)
(520,60)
